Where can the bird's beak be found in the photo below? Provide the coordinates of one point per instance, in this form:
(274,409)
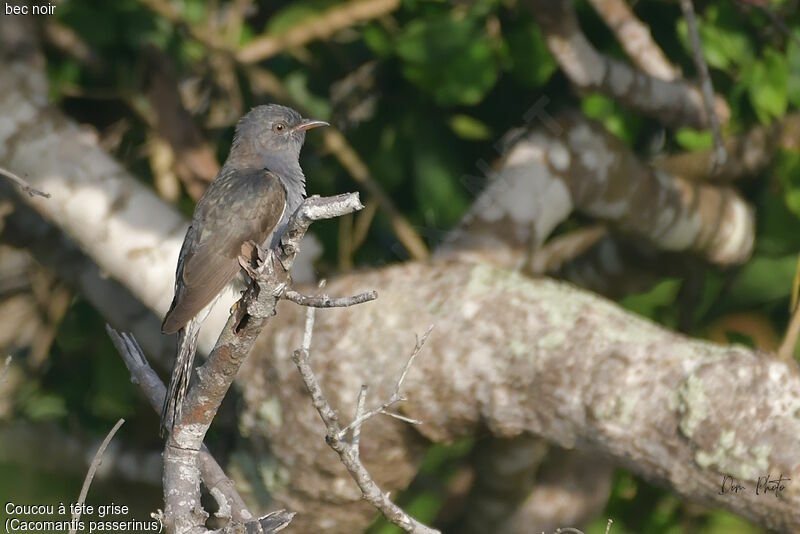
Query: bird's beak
(307,124)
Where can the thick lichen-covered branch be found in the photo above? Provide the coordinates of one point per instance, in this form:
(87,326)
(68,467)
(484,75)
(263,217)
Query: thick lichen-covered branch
(542,358)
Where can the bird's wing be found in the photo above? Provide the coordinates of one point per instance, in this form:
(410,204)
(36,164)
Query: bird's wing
(239,206)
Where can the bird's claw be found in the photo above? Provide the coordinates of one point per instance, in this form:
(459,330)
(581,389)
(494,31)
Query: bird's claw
(252,259)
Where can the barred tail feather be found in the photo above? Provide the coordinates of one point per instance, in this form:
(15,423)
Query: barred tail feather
(181,375)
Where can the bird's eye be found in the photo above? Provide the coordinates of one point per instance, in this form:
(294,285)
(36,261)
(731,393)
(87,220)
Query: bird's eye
(279,127)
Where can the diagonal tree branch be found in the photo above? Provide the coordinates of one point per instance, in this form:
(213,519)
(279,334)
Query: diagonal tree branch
(636,39)
(183,511)
(154,391)
(720,154)
(98,458)
(675,102)
(322,27)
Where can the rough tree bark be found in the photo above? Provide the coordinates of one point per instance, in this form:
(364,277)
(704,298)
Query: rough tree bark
(541,357)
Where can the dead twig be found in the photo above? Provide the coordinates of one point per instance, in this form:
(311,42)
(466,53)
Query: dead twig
(98,459)
(349,453)
(720,153)
(25,186)
(396,396)
(324,301)
(635,37)
(331,21)
(563,249)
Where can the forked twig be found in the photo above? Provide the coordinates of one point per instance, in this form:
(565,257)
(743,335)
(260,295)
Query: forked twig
(395,397)
(25,186)
(349,453)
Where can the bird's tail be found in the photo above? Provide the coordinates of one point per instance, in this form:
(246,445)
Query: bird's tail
(181,375)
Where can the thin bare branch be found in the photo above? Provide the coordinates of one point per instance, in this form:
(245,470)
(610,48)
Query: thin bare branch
(331,21)
(565,248)
(360,406)
(98,459)
(214,478)
(396,396)
(349,452)
(635,37)
(720,154)
(324,301)
(25,186)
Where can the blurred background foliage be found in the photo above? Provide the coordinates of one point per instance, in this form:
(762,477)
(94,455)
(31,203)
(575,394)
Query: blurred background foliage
(422,94)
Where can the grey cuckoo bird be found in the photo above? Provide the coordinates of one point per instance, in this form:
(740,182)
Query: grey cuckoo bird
(258,188)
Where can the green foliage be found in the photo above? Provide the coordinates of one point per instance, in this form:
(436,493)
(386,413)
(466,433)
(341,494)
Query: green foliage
(692,139)
(659,298)
(726,43)
(531,61)
(468,127)
(449,57)
(614,118)
(764,280)
(767,80)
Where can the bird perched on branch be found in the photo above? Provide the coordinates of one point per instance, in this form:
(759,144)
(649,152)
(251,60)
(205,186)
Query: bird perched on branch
(252,198)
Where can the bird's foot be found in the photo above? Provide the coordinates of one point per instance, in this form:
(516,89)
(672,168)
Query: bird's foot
(253,259)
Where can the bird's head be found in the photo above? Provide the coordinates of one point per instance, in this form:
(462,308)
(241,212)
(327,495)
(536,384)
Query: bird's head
(271,136)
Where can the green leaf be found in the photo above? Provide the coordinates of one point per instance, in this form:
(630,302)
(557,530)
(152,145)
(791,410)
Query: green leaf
(438,192)
(691,139)
(787,171)
(378,40)
(764,280)
(451,59)
(650,302)
(39,405)
(724,45)
(297,85)
(767,82)
(468,127)
(601,108)
(532,63)
(792,198)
